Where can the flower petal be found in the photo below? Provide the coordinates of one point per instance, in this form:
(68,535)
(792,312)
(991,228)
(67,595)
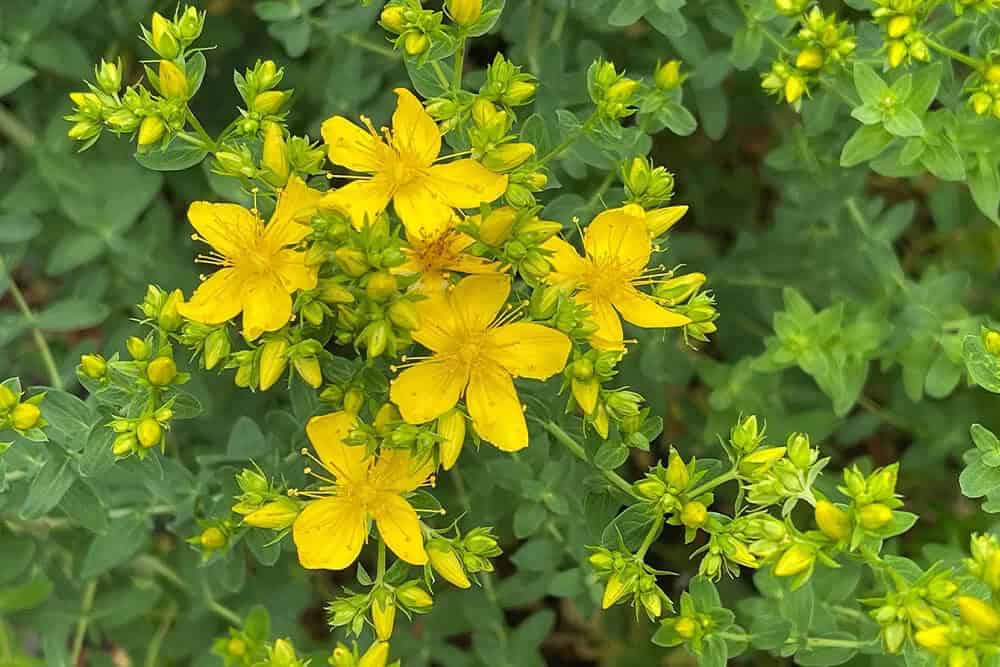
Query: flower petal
(266,306)
(329,533)
(439,325)
(529,350)
(609,326)
(425,215)
(396,471)
(428,389)
(291,267)
(289,223)
(351,146)
(229,228)
(642,311)
(568,267)
(326,433)
(476,300)
(399,527)
(495,408)
(361,200)
(217,299)
(414,133)
(465,183)
(618,237)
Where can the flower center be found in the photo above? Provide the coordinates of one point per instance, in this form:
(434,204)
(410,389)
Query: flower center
(470,350)
(605,280)
(364,493)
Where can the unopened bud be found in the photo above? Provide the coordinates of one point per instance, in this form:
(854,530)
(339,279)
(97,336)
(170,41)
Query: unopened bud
(465,12)
(415,43)
(151,130)
(668,75)
(163,40)
(413,596)
(93,366)
(694,514)
(508,156)
(173,82)
(874,516)
(451,428)
(832,521)
(392,18)
(309,369)
(212,538)
(518,93)
(445,561)
(161,371)
(273,361)
(149,432)
(270,101)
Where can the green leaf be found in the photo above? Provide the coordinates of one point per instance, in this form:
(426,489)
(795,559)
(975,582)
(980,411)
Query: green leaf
(977,479)
(866,143)
(869,85)
(984,184)
(71,314)
(627,12)
(926,81)
(747,44)
(124,538)
(987,443)
(16,554)
(18,227)
(177,156)
(246,441)
(257,624)
(630,527)
(13,76)
(48,486)
(944,161)
(983,367)
(905,123)
(678,119)
(528,519)
(28,595)
(84,507)
(610,455)
(69,419)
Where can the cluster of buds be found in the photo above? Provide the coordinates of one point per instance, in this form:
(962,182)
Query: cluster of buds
(873,499)
(417,29)
(791,7)
(668,490)
(210,342)
(910,607)
(649,186)
(507,85)
(968,640)
(262,366)
(614,94)
(629,578)
(700,308)
(215,536)
(455,558)
(822,44)
(377,655)
(514,236)
(782,475)
(378,607)
(727,549)
(494,146)
(984,99)
(262,503)
(152,363)
(668,76)
(160,308)
(959,7)
(23,416)
(258,88)
(138,435)
(169,38)
(692,626)
(901,20)
(584,376)
(280,156)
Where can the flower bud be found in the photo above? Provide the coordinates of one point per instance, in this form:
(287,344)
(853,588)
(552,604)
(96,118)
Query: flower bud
(270,101)
(392,18)
(538,231)
(173,82)
(413,596)
(383,613)
(309,369)
(376,655)
(508,156)
(275,515)
(212,538)
(519,93)
(668,75)
(677,290)
(832,521)
(149,432)
(677,474)
(622,403)
(403,314)
(190,24)
(274,155)
(685,627)
(799,450)
(352,261)
(465,12)
(622,90)
(934,639)
(283,654)
(795,87)
(216,349)
(137,348)
(415,43)
(991,339)
(446,562)
(652,603)
(899,25)
(273,361)
(895,53)
(616,587)
(124,444)
(354,400)
(93,366)
(381,286)
(797,559)
(8,397)
(161,371)
(810,59)
(151,130)
(874,516)
(694,514)
(495,230)
(163,40)
(451,427)
(108,76)
(650,488)
(746,435)
(25,416)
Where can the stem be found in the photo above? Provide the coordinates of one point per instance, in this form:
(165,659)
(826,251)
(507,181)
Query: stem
(569,140)
(15,130)
(209,142)
(459,66)
(380,573)
(152,655)
(712,483)
(442,77)
(974,63)
(36,334)
(89,591)
(650,536)
(367,45)
(814,642)
(577,449)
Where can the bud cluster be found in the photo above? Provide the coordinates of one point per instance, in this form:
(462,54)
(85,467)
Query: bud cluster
(614,94)
(263,503)
(453,559)
(629,578)
(138,435)
(901,21)
(19,413)
(514,236)
(418,30)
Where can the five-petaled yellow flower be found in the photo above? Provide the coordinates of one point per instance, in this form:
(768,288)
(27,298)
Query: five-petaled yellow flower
(259,266)
(334,525)
(617,249)
(477,354)
(434,258)
(403,170)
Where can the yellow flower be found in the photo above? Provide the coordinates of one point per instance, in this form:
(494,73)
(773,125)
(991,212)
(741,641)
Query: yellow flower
(434,257)
(617,249)
(331,530)
(403,170)
(478,355)
(259,268)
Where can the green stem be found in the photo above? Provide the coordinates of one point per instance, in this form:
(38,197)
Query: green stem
(153,653)
(712,483)
(650,536)
(36,333)
(15,130)
(209,142)
(567,441)
(442,77)
(732,636)
(821,642)
(459,67)
(974,63)
(367,45)
(569,140)
(380,572)
(89,591)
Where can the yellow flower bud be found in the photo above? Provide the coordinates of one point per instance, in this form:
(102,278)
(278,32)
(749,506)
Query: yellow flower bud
(810,59)
(274,155)
(685,627)
(899,25)
(235,647)
(761,460)
(93,366)
(124,444)
(331,292)
(354,400)
(518,93)
(149,432)
(173,82)
(161,371)
(668,75)
(273,361)
(795,560)
(660,220)
(981,104)
(309,370)
(586,393)
(992,73)
(169,318)
(412,595)
(508,156)
(874,516)
(652,602)
(795,87)
(677,290)
(270,101)
(614,590)
(376,655)
(896,52)
(694,514)
(83,130)
(381,286)
(979,615)
(446,562)
(934,639)
(832,521)
(383,616)
(8,397)
(163,40)
(677,474)
(465,12)
(283,654)
(352,261)
(25,416)
(451,427)
(650,488)
(392,18)
(275,515)
(216,348)
(415,43)
(600,421)
(622,91)
(151,130)
(403,313)
(496,228)
(385,417)
(213,538)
